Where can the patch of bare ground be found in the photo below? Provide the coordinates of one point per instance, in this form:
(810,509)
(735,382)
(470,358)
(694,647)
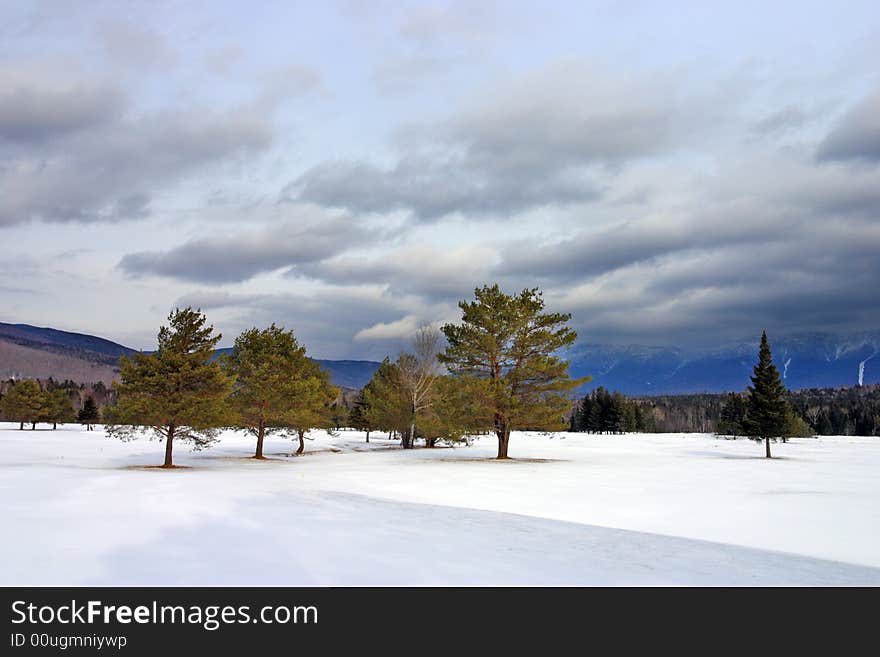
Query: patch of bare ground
(157,467)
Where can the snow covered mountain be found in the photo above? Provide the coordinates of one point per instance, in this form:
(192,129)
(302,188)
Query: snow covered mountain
(811,360)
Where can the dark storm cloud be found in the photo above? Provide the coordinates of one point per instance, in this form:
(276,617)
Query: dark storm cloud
(235,258)
(547,139)
(856,135)
(73,152)
(815,277)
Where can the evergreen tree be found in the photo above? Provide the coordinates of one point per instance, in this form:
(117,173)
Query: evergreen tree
(388,405)
(359,418)
(313,398)
(57,407)
(509,342)
(177,392)
(733,416)
(455,412)
(338,414)
(594,418)
(267,365)
(88,414)
(767,408)
(23,402)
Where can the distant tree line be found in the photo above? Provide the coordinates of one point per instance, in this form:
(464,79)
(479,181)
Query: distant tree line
(31,402)
(852,411)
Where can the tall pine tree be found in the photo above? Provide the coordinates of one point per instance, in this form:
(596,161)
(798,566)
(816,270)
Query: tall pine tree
(267,364)
(178,392)
(510,344)
(766,413)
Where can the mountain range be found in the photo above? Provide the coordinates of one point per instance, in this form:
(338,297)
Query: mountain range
(34,352)
(812,360)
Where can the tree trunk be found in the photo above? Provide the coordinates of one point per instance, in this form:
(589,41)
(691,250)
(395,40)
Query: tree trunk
(33,426)
(169,445)
(503,440)
(54,426)
(368,435)
(412,434)
(21,426)
(260,435)
(767,446)
(302,444)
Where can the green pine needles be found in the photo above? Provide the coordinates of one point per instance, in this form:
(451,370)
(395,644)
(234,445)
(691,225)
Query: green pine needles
(766,411)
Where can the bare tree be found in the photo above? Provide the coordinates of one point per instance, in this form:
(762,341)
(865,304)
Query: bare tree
(419,372)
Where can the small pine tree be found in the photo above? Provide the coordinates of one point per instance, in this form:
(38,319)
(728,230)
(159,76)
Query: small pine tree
(359,418)
(24,403)
(733,415)
(178,392)
(767,408)
(594,417)
(88,414)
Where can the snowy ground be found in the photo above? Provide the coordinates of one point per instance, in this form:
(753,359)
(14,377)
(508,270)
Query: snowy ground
(575,509)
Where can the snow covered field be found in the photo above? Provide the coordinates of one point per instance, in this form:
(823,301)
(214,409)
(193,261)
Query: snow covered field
(574,509)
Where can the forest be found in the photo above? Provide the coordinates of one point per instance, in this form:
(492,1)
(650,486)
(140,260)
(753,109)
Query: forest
(851,411)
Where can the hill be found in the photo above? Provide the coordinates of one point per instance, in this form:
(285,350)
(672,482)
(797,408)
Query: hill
(36,352)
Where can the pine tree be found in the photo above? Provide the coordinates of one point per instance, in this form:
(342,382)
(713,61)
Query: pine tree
(455,412)
(509,342)
(338,414)
(313,398)
(24,402)
(767,408)
(88,414)
(57,407)
(266,365)
(594,418)
(388,406)
(359,418)
(178,392)
(733,415)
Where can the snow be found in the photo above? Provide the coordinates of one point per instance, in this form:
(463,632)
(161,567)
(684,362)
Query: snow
(677,509)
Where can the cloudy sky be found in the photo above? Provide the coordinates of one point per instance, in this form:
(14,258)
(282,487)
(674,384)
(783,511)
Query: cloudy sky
(669,173)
